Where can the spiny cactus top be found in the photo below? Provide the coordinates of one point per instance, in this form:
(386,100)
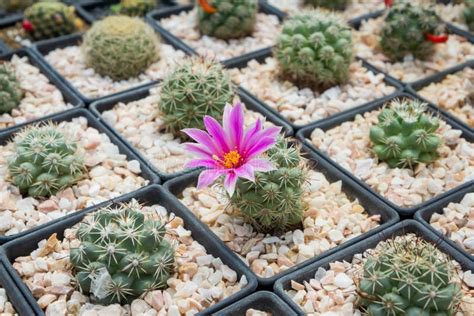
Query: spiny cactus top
(469,14)
(45,160)
(405,134)
(328,4)
(120,47)
(194,89)
(408,277)
(10,90)
(272,202)
(314,49)
(227,19)
(45,20)
(15,5)
(405,31)
(127,250)
(134,7)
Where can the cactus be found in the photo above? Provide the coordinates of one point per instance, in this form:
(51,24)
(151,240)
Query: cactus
(15,5)
(227,19)
(134,7)
(45,161)
(120,47)
(405,134)
(10,90)
(128,250)
(405,29)
(272,203)
(468,14)
(406,277)
(49,19)
(328,4)
(315,49)
(194,89)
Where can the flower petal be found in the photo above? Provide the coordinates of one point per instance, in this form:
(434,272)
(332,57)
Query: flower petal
(261,165)
(207,177)
(199,150)
(217,133)
(235,126)
(204,139)
(229,182)
(252,131)
(262,145)
(271,132)
(206,163)
(245,171)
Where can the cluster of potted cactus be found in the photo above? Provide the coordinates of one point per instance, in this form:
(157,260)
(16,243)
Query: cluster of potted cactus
(225,147)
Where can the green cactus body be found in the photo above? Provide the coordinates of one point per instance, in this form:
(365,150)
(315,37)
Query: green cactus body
(407,277)
(120,47)
(134,7)
(328,4)
(468,14)
(10,90)
(45,161)
(129,249)
(405,29)
(405,134)
(194,89)
(50,19)
(272,203)
(314,50)
(227,19)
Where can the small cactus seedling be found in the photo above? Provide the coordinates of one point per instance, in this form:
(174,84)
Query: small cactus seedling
(405,134)
(45,161)
(10,90)
(120,47)
(328,4)
(272,203)
(134,7)
(410,29)
(226,19)
(408,277)
(194,89)
(314,50)
(50,19)
(468,14)
(128,249)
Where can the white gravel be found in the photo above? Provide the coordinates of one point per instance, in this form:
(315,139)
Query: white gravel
(6,308)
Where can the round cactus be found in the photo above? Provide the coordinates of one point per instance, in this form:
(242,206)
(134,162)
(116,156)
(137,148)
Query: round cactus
(328,4)
(15,5)
(272,203)
(45,161)
(120,47)
(49,19)
(134,7)
(226,19)
(315,49)
(468,14)
(127,250)
(194,89)
(408,277)
(10,90)
(405,29)
(405,134)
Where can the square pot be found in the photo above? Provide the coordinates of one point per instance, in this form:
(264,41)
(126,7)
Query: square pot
(15,296)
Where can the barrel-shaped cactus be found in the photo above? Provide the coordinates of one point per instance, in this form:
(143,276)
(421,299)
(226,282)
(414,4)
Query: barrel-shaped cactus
(126,250)
(44,161)
(226,19)
(405,134)
(134,7)
(194,89)
(405,31)
(408,277)
(10,90)
(468,14)
(50,19)
(328,4)
(273,202)
(314,49)
(120,47)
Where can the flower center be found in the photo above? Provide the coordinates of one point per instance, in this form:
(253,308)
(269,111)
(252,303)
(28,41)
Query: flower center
(232,159)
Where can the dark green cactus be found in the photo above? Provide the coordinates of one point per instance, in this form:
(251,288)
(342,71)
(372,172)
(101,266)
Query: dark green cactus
(226,19)
(127,248)
(44,161)
(405,29)
(314,50)
(194,89)
(134,7)
(272,203)
(408,277)
(468,14)
(328,4)
(10,90)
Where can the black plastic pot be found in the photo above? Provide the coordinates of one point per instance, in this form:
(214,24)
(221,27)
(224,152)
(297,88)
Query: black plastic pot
(146,172)
(466,33)
(15,296)
(424,216)
(263,301)
(157,15)
(150,195)
(108,103)
(371,205)
(404,212)
(68,95)
(261,58)
(402,228)
(43,48)
(414,88)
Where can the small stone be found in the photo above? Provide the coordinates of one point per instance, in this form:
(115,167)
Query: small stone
(343,281)
(46,300)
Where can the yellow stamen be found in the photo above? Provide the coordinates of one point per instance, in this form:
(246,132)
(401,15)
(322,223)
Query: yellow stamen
(232,159)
